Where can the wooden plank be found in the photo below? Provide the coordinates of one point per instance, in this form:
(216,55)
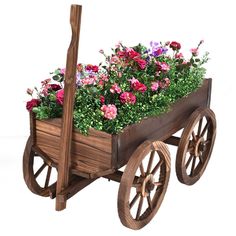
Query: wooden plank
(163,126)
(68,106)
(33,128)
(79,151)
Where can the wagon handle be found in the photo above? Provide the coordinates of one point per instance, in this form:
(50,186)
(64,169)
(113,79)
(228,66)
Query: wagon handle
(68,106)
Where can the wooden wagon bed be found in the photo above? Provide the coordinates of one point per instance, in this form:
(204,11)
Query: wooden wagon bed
(100,153)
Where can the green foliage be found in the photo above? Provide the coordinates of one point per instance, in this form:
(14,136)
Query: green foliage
(133,72)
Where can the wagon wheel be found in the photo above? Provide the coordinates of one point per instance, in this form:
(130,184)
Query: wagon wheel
(143,184)
(37,171)
(195,146)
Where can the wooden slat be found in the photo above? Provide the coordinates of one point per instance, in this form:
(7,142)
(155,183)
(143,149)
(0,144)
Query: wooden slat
(80,152)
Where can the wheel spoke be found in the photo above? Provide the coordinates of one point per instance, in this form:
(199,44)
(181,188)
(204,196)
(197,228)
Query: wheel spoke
(189,161)
(157,184)
(48,176)
(134,200)
(156,167)
(39,171)
(140,205)
(207,141)
(199,127)
(142,170)
(193,166)
(150,162)
(201,157)
(194,136)
(205,129)
(149,201)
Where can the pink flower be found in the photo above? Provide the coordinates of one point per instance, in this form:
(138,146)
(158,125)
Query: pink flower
(45,82)
(194,51)
(29,91)
(142,63)
(89,80)
(119,74)
(63,71)
(101,51)
(128,97)
(104,77)
(133,80)
(102,99)
(114,60)
(115,88)
(60,96)
(162,66)
(154,86)
(179,55)
(109,111)
(165,83)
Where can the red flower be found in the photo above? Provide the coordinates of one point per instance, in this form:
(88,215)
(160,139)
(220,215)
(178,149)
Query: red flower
(80,67)
(60,96)
(140,87)
(32,103)
(55,87)
(92,68)
(131,53)
(142,63)
(127,97)
(102,99)
(121,54)
(175,45)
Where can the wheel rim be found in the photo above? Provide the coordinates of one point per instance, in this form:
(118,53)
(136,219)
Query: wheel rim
(39,174)
(143,184)
(195,146)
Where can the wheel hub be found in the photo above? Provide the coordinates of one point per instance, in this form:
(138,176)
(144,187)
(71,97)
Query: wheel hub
(199,146)
(147,185)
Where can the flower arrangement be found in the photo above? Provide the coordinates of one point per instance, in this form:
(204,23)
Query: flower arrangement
(131,84)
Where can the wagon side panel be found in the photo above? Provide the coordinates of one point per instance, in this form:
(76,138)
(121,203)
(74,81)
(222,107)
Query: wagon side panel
(162,127)
(90,154)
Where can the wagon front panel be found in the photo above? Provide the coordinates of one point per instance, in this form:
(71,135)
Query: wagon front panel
(91,155)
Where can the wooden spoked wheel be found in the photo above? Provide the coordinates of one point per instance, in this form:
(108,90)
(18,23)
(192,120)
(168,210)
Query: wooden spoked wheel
(143,184)
(38,172)
(195,146)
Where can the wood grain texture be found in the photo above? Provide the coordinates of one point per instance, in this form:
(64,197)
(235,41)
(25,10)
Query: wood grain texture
(90,155)
(31,174)
(163,126)
(200,131)
(150,187)
(68,105)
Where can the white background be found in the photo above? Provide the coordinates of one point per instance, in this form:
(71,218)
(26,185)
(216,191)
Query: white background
(34,36)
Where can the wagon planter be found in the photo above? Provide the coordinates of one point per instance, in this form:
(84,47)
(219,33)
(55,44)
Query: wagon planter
(79,159)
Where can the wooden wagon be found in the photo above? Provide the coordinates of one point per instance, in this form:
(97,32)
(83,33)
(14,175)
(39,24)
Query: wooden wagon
(140,148)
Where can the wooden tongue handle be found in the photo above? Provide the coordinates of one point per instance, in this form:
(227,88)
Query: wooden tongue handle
(68,106)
